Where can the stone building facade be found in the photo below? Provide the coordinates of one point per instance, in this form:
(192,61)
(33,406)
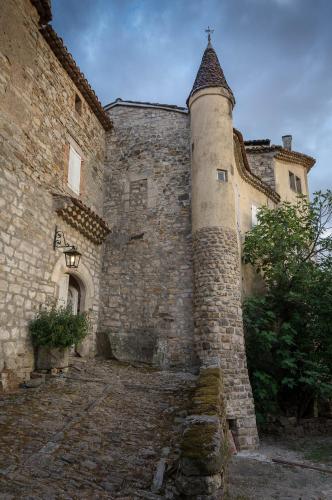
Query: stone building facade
(157,199)
(39,124)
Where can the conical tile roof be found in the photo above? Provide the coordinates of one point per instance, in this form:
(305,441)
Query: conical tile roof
(210,73)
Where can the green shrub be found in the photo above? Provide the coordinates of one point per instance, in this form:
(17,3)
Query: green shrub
(58,328)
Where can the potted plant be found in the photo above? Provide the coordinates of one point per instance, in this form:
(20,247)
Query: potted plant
(53,332)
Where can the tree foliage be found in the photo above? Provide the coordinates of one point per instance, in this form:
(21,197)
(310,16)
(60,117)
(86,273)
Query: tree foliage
(289,329)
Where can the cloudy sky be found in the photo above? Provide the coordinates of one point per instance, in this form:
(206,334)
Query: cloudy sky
(276,55)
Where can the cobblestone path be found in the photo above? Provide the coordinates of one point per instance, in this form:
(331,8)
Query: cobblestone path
(99,432)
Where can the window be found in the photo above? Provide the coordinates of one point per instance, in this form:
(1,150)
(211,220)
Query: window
(298,185)
(78,104)
(292,181)
(295,183)
(74,170)
(254,210)
(222,175)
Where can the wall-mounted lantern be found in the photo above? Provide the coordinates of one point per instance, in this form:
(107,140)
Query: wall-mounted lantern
(72,255)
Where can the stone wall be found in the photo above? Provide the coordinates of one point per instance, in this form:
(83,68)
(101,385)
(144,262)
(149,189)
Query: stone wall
(290,426)
(218,323)
(146,294)
(262,165)
(38,122)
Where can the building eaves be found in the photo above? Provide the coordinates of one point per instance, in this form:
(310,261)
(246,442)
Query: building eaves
(295,157)
(81,217)
(74,72)
(245,171)
(139,104)
(257,142)
(44,10)
(284,154)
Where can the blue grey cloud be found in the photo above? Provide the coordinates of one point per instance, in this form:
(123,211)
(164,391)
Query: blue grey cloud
(276,55)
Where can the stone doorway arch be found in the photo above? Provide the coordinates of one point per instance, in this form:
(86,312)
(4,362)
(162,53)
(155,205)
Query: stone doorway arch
(79,278)
(75,288)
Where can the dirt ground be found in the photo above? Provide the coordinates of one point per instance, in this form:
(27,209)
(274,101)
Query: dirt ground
(260,476)
(104,429)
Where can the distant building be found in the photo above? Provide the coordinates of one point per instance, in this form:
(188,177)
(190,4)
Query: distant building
(156,198)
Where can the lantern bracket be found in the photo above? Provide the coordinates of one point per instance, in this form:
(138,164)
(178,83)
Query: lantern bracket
(72,255)
(60,240)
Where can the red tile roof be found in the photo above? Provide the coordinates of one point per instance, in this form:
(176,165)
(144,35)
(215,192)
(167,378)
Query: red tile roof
(44,10)
(74,72)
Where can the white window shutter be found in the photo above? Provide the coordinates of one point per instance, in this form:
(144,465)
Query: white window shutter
(74,170)
(254,210)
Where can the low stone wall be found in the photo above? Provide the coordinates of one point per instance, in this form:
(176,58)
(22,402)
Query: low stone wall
(204,446)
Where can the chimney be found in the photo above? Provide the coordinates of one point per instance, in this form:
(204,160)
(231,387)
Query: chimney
(287,142)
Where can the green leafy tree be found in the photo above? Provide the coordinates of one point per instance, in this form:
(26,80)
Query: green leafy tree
(289,329)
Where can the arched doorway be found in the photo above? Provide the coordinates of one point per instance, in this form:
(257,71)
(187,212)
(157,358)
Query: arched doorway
(71,293)
(61,276)
(74,295)
(76,287)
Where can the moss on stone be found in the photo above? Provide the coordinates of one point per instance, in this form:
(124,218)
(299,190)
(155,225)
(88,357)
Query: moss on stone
(203,447)
(207,396)
(199,440)
(211,371)
(212,391)
(205,409)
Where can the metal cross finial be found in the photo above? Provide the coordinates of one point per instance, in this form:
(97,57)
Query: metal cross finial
(209,31)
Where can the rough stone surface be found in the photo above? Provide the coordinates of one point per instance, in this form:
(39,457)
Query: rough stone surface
(99,432)
(218,323)
(51,357)
(262,165)
(146,291)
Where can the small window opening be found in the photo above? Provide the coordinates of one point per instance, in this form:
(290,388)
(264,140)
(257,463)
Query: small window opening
(78,104)
(222,175)
(254,210)
(295,183)
(298,185)
(292,181)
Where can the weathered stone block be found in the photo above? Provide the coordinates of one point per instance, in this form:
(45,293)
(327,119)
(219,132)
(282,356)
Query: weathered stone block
(136,346)
(202,448)
(52,357)
(192,487)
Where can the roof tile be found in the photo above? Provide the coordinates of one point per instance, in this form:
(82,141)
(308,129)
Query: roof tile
(210,73)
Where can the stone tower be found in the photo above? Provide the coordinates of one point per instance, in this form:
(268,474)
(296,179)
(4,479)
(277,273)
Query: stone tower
(216,249)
